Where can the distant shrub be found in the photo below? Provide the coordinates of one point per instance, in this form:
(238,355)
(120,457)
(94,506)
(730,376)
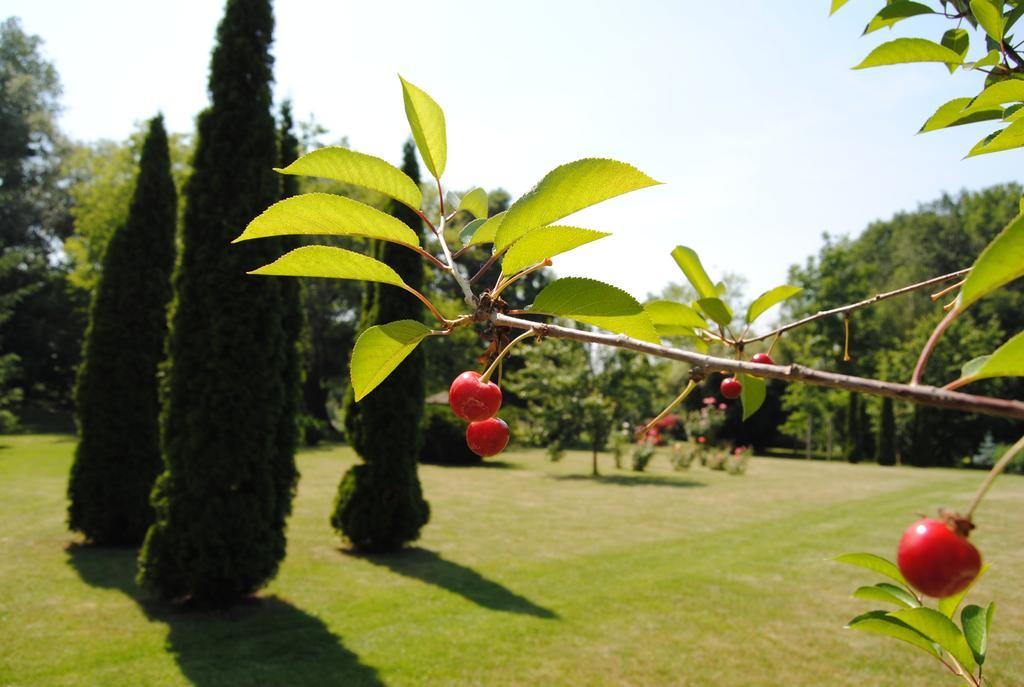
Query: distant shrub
(642,455)
(445,439)
(683,454)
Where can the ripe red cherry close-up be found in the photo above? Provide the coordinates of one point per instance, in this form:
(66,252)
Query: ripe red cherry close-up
(487,437)
(472,399)
(936,560)
(731,387)
(762,359)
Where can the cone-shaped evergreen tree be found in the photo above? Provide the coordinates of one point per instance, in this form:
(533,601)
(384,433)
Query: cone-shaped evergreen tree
(226,489)
(854,441)
(380,504)
(118,412)
(887,434)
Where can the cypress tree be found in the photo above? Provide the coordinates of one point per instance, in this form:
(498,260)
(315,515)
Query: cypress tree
(226,488)
(117,399)
(380,505)
(887,434)
(854,444)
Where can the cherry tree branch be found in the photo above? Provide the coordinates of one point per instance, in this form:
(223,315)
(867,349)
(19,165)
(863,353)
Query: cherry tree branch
(918,394)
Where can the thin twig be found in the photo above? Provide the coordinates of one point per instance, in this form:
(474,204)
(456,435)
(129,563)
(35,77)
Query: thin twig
(467,292)
(996,470)
(933,341)
(486,266)
(690,386)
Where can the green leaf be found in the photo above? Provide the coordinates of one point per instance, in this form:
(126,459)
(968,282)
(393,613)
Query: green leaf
(1015,111)
(752,393)
(972,366)
(977,624)
(565,190)
(949,604)
(1006,139)
(958,112)
(380,349)
(596,303)
(880,622)
(999,93)
(940,630)
(426,119)
(1012,17)
(546,242)
(1000,263)
(691,266)
(716,309)
(959,41)
(770,298)
(873,563)
(328,214)
(1006,361)
(331,262)
(836,4)
(887,593)
(989,14)
(896,12)
(342,164)
(993,58)
(669,314)
(466,235)
(906,50)
(486,232)
(475,203)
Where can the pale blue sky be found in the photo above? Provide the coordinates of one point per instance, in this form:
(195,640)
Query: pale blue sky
(748,111)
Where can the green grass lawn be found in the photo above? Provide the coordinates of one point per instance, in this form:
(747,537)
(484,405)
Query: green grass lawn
(529,573)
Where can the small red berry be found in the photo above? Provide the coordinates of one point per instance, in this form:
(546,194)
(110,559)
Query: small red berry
(731,387)
(762,359)
(936,560)
(473,400)
(487,437)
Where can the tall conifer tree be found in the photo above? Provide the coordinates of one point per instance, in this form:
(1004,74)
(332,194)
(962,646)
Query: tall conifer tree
(223,497)
(118,411)
(380,503)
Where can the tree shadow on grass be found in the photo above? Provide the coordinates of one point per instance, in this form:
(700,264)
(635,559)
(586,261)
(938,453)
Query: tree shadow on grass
(427,566)
(266,641)
(632,481)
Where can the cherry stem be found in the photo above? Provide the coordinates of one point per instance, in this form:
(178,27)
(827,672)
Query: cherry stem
(467,292)
(428,256)
(940,294)
(486,376)
(846,337)
(430,306)
(640,433)
(996,470)
(486,266)
(933,341)
(546,262)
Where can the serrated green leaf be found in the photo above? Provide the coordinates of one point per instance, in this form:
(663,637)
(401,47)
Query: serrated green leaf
(675,330)
(350,167)
(940,630)
(949,604)
(836,4)
(975,621)
(691,266)
(896,12)
(957,40)
(880,622)
(999,93)
(486,232)
(993,58)
(1005,361)
(466,235)
(1012,17)
(379,350)
(546,242)
(907,50)
(426,119)
(475,203)
(874,563)
(716,309)
(770,298)
(328,214)
(669,314)
(1013,112)
(752,393)
(887,593)
(989,14)
(333,263)
(1000,263)
(565,190)
(596,303)
(1006,139)
(957,112)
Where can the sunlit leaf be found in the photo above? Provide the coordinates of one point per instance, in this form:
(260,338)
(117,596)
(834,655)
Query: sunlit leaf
(906,50)
(999,93)
(751,394)
(993,58)
(596,303)
(565,190)
(546,242)
(1005,361)
(328,214)
(379,350)
(977,624)
(957,112)
(1013,112)
(1000,263)
(331,262)
(989,14)
(691,266)
(1007,139)
(342,164)
(475,203)
(887,593)
(668,314)
(836,4)
(487,230)
(880,622)
(949,604)
(466,235)
(940,630)
(770,298)
(957,40)
(874,563)
(426,119)
(716,309)
(896,12)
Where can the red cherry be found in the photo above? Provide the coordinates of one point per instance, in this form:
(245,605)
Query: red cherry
(472,399)
(487,437)
(731,387)
(936,560)
(762,359)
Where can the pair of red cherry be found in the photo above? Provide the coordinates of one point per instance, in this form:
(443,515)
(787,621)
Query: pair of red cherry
(731,387)
(478,402)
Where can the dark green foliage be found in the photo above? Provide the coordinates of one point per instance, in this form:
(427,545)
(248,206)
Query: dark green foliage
(854,430)
(118,454)
(887,434)
(222,500)
(444,439)
(380,504)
